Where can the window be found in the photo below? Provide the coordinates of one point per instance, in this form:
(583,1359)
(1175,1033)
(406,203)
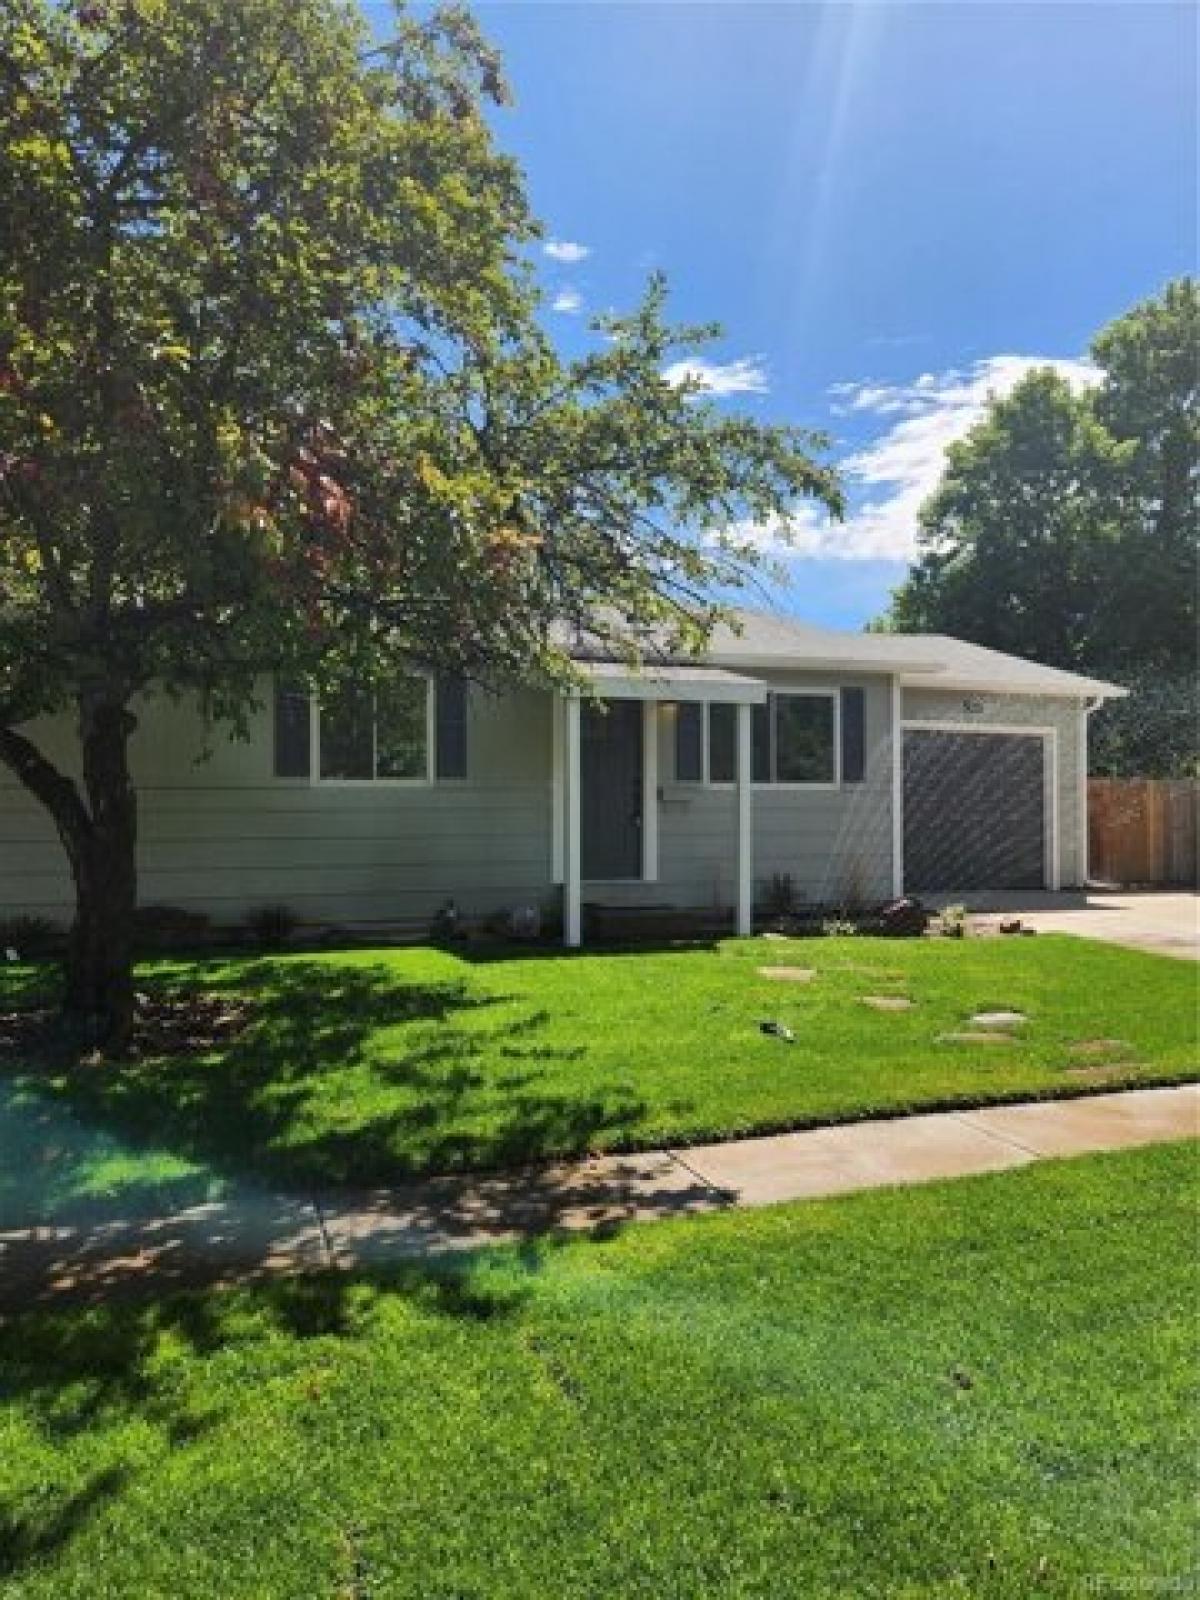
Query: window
(722,743)
(360,737)
(363,737)
(793,739)
(805,735)
(705,743)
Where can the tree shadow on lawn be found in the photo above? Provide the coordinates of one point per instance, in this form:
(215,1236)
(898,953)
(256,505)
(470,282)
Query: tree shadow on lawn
(308,1095)
(89,1371)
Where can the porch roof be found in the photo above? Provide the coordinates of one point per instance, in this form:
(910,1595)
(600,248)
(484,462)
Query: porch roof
(616,680)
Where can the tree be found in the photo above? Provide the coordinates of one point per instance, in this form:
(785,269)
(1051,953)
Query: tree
(1064,528)
(1017,539)
(274,394)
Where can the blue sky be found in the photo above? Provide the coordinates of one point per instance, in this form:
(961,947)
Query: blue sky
(892,209)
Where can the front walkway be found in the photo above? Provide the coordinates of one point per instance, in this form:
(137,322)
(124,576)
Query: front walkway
(252,1234)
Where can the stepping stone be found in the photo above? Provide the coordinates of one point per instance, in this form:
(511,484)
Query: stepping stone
(788,974)
(887,1002)
(978,1037)
(1098,1047)
(999,1019)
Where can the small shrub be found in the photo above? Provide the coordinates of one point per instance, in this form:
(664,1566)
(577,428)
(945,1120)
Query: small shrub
(779,895)
(905,918)
(271,927)
(952,922)
(165,927)
(838,927)
(31,936)
(447,925)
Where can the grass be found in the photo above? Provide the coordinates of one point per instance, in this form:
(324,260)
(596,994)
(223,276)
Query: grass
(372,1066)
(984,1388)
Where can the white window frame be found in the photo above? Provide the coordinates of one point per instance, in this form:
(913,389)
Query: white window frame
(317,781)
(807,786)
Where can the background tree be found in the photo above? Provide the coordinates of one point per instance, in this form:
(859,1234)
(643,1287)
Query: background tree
(1065,530)
(273,394)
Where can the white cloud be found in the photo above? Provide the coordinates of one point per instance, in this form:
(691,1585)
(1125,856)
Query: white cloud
(747,375)
(568,301)
(563,250)
(897,471)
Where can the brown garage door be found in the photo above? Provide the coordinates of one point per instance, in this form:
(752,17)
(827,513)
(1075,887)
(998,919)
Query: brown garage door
(974,810)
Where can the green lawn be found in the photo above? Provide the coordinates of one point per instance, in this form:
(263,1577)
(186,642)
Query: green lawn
(375,1065)
(984,1388)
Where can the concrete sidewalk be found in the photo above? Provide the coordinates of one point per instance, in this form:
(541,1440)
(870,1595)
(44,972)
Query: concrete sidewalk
(251,1234)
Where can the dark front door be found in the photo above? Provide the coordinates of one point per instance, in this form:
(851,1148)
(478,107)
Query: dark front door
(611,790)
(974,811)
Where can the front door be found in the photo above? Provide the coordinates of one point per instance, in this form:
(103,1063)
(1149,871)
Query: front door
(611,790)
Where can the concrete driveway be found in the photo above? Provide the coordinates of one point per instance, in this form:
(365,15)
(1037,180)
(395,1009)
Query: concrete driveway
(1166,922)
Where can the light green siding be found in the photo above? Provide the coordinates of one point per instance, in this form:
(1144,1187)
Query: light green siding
(219,833)
(835,843)
(223,835)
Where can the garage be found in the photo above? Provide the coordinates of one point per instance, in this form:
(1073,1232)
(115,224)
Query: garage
(976,808)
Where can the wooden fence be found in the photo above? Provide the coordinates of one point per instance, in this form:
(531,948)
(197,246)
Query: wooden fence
(1143,830)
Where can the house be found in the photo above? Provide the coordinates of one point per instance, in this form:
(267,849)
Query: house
(861,765)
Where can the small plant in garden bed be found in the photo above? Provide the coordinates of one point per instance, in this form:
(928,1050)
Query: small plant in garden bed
(952,922)
(166,927)
(271,927)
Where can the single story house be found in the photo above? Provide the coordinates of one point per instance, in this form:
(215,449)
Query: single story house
(862,766)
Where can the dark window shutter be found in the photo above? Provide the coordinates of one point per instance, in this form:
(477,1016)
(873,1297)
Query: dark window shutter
(760,740)
(854,735)
(293,753)
(722,743)
(450,713)
(689,742)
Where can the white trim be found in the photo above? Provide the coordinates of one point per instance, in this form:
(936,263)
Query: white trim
(317,781)
(1049,737)
(790,786)
(897,699)
(1083,821)
(557,799)
(1045,690)
(572,897)
(612,680)
(745,825)
(650,791)
(814,691)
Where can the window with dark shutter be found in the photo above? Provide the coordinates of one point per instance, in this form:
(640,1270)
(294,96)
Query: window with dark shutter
(760,740)
(854,735)
(450,710)
(293,754)
(722,743)
(689,743)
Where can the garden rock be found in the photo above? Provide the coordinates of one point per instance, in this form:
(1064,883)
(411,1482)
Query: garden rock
(887,1002)
(788,974)
(999,1019)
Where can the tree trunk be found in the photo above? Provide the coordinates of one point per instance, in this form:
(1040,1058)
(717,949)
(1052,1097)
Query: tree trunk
(100,840)
(99,971)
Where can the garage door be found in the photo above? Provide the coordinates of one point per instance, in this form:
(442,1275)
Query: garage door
(974,810)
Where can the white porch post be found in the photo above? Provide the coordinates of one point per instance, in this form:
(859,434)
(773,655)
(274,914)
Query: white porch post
(897,789)
(745,826)
(650,791)
(572,900)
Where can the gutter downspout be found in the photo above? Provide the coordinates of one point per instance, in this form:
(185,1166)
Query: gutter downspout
(1085,712)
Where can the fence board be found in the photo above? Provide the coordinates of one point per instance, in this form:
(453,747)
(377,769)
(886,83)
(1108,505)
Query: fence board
(1143,830)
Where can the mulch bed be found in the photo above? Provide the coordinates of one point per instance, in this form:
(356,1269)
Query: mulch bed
(164,1025)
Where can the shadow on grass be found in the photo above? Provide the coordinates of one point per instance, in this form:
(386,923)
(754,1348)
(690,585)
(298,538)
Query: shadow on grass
(315,1093)
(90,1372)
